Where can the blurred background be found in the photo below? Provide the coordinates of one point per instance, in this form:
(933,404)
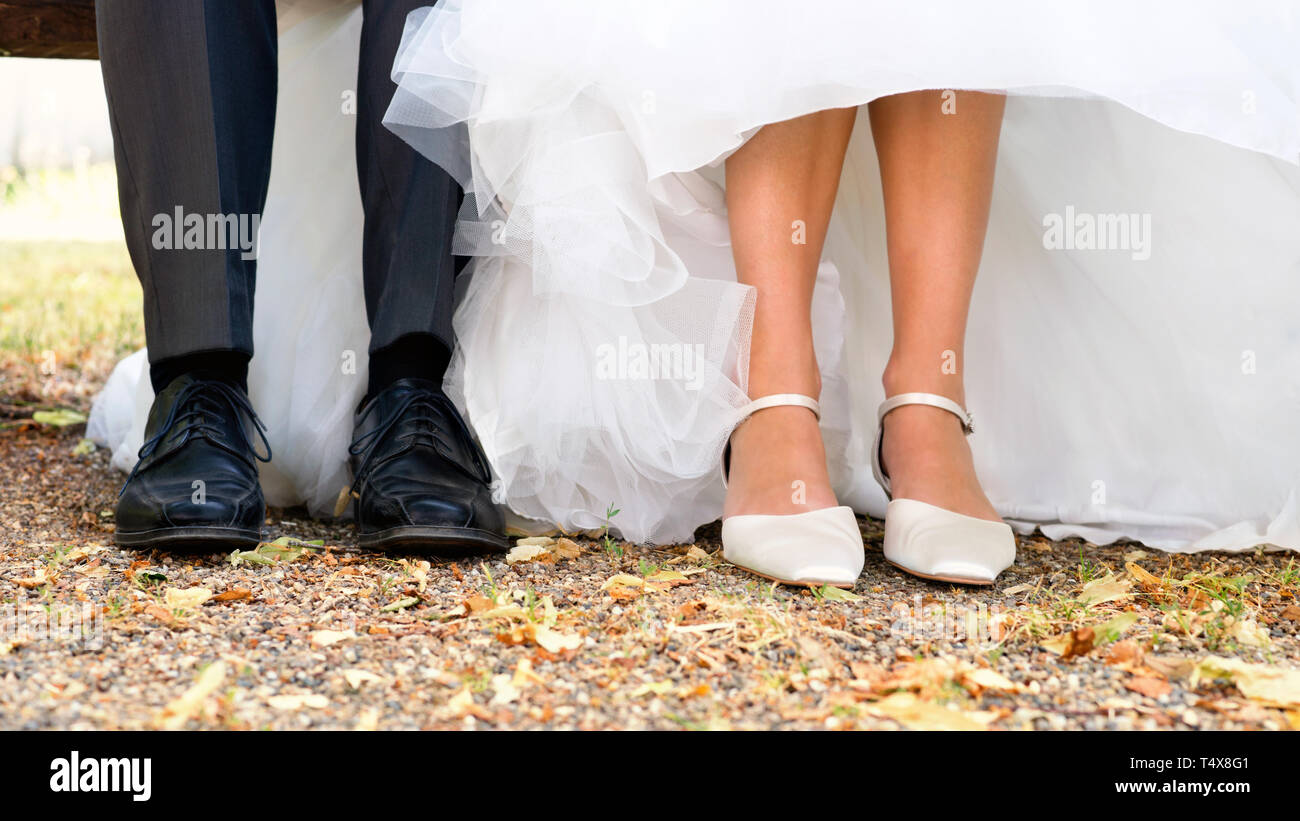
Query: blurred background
(69,300)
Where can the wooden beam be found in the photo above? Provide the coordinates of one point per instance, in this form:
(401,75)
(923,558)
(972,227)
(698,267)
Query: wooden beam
(48,28)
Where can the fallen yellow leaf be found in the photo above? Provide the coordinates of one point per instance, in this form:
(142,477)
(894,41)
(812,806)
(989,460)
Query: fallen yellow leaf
(504,690)
(176,714)
(917,714)
(657,688)
(297,702)
(524,553)
(1249,633)
(1261,682)
(623,580)
(983,678)
(368,720)
(356,678)
(1104,590)
(188,599)
(324,638)
(555,642)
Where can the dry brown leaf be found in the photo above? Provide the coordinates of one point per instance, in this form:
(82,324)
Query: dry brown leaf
(419,571)
(1075,643)
(926,677)
(159,612)
(234,594)
(479,604)
(34,581)
(1291,613)
(1149,582)
(524,675)
(1196,600)
(1127,653)
(1174,668)
(341,503)
(462,704)
(1148,686)
(866,672)
(567,549)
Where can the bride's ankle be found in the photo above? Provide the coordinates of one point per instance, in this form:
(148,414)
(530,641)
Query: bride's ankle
(907,377)
(778,464)
(787,371)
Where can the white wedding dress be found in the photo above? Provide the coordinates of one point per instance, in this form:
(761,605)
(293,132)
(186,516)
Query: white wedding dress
(1141,383)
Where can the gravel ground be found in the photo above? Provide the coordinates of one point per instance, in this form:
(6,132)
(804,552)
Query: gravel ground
(582,633)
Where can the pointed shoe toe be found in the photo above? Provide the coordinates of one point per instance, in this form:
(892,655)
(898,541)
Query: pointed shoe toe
(935,543)
(821,547)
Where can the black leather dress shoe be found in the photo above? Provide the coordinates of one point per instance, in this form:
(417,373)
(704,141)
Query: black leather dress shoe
(195,486)
(421,481)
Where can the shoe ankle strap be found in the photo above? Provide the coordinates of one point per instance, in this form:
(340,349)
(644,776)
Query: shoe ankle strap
(934,400)
(775,400)
(779,400)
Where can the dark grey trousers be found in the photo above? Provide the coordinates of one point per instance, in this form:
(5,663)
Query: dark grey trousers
(191,90)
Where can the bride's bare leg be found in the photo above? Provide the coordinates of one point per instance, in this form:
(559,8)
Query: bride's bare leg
(936,170)
(780,189)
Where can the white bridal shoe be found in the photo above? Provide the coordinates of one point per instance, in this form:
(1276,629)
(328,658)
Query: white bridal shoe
(932,542)
(821,547)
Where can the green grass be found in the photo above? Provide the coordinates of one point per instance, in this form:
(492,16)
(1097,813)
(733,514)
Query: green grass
(68,310)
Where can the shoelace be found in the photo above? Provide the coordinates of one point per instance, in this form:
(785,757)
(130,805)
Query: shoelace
(416,400)
(194,407)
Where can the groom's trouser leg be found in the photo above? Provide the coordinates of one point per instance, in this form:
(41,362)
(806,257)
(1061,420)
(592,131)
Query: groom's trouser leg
(191,89)
(410,203)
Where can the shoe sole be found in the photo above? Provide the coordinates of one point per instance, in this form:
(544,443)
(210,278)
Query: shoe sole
(431,539)
(813,585)
(190,538)
(948,579)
